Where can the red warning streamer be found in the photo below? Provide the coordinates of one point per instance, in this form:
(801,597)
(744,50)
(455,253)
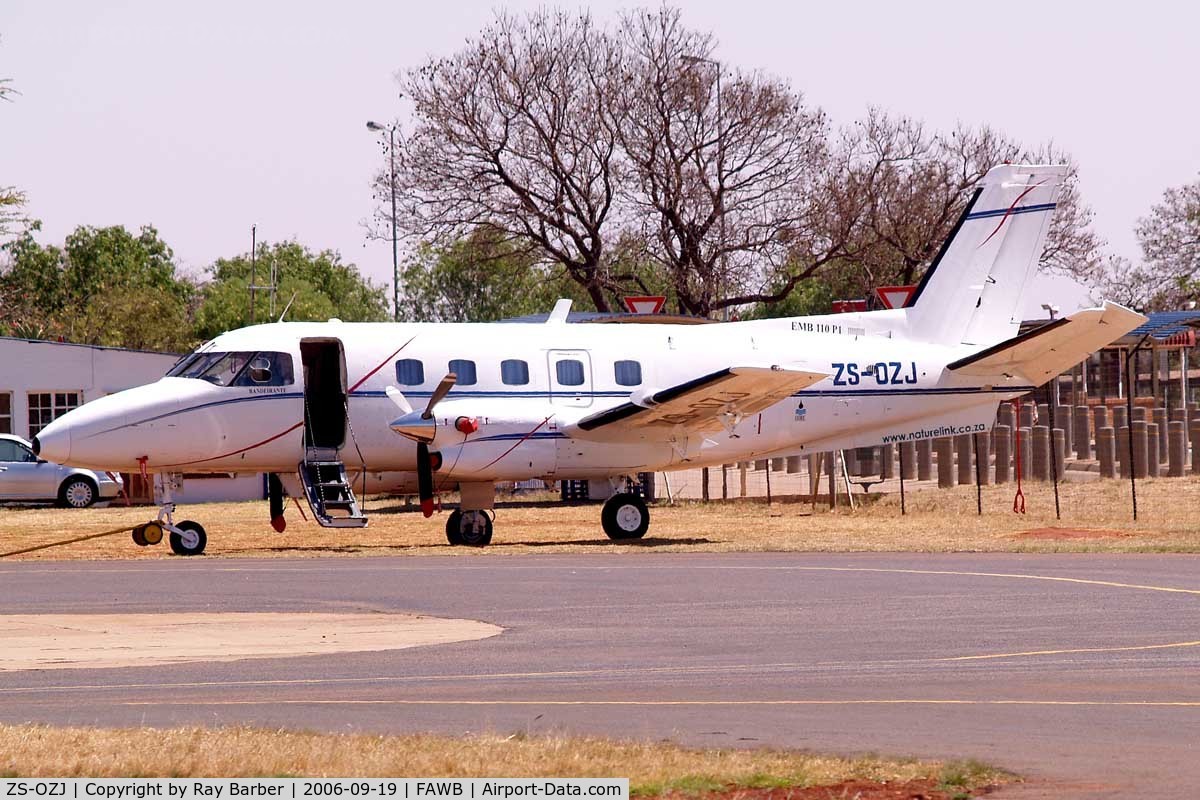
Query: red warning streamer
(1019,497)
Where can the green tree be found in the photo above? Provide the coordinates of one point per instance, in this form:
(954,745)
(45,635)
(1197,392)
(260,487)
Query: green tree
(478,279)
(103,286)
(318,285)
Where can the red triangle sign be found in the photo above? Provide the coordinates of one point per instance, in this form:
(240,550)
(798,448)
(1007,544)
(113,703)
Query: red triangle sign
(645,304)
(895,296)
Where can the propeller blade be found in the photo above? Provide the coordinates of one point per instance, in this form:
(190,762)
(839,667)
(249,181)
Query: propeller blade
(425,479)
(397,397)
(440,392)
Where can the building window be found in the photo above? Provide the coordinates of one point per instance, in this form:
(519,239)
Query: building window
(628,373)
(514,372)
(570,372)
(464,370)
(45,407)
(410,372)
(6,412)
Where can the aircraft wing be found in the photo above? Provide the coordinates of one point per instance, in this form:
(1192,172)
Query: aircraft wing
(1042,353)
(707,403)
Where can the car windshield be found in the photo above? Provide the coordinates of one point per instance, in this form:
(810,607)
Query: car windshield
(261,368)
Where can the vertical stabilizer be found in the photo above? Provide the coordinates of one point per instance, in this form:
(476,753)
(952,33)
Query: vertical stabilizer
(971,293)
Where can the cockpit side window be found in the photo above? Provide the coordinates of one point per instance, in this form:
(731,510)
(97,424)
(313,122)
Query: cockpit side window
(263,368)
(267,369)
(193,365)
(226,369)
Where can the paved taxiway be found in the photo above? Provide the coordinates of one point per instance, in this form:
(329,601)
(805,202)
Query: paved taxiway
(1083,669)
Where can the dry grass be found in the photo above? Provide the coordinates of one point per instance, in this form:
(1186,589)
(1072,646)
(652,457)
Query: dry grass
(652,768)
(938,521)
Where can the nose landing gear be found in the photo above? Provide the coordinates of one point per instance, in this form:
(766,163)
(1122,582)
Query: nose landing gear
(188,538)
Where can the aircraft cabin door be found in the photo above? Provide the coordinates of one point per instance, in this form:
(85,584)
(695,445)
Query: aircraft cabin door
(570,377)
(324,393)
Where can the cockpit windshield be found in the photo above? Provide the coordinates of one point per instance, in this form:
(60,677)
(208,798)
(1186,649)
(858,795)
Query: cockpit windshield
(252,368)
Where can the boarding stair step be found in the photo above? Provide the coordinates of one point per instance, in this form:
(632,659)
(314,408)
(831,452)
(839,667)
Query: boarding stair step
(330,495)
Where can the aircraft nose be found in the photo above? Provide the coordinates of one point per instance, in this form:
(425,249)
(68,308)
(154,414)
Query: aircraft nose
(53,443)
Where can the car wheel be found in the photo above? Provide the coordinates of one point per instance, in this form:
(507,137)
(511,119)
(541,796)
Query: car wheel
(77,493)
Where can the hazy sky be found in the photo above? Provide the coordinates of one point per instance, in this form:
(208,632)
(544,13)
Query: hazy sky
(206,118)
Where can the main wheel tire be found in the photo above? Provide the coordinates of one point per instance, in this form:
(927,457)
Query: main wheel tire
(77,492)
(193,540)
(460,531)
(625,516)
(453,522)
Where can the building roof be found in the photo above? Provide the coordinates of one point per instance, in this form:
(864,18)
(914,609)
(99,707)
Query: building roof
(1165,329)
(89,346)
(1165,325)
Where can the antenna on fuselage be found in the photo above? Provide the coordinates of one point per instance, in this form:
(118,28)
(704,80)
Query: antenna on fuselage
(253,286)
(560,311)
(289,305)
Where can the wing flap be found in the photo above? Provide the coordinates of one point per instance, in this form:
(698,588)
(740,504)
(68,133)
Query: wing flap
(1040,354)
(709,402)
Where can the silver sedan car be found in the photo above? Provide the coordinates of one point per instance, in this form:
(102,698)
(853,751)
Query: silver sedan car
(25,477)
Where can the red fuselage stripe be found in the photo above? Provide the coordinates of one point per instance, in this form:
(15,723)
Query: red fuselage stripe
(520,441)
(361,381)
(1008,213)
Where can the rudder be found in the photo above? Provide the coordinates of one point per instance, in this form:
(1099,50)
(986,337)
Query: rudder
(971,293)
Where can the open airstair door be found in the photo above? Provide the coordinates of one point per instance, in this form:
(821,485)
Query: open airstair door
(322,471)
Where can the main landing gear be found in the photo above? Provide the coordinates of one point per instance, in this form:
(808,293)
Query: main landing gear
(187,538)
(625,516)
(471,528)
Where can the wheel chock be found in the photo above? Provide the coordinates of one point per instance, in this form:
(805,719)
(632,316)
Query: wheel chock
(147,534)
(152,533)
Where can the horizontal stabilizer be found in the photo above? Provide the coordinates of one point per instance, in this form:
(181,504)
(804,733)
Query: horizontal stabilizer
(711,402)
(1042,353)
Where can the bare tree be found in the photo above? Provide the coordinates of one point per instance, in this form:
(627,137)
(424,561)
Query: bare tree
(724,165)
(511,138)
(11,198)
(1170,240)
(1169,275)
(607,151)
(915,184)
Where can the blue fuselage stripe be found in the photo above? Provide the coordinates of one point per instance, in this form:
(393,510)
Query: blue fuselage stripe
(481,394)
(1000,212)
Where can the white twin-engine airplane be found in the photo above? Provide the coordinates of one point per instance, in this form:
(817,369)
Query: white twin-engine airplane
(481,403)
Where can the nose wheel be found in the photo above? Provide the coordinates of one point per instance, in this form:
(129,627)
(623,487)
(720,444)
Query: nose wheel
(190,540)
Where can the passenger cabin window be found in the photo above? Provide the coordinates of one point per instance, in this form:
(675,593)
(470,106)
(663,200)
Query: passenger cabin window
(464,370)
(514,372)
(570,372)
(628,373)
(410,372)
(263,368)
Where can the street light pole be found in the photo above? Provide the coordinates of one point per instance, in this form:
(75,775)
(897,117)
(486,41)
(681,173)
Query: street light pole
(375,126)
(716,65)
